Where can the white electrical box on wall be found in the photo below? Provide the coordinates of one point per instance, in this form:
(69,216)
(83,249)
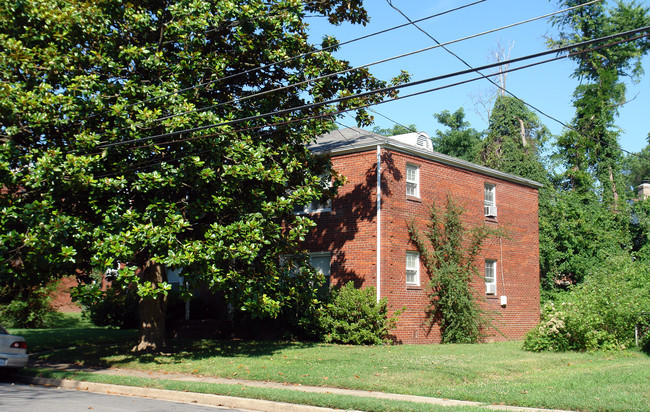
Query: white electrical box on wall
(504,300)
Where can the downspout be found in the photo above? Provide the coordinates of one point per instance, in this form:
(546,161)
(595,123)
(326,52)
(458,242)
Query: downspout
(378,275)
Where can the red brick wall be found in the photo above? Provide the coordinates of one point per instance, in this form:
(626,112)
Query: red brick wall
(349,233)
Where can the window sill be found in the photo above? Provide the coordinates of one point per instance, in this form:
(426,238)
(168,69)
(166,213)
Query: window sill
(313,212)
(414,287)
(413,199)
(491,219)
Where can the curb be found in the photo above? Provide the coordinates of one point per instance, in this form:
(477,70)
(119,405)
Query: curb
(193,398)
(258,404)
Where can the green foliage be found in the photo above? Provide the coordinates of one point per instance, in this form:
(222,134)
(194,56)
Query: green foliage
(27,307)
(354,316)
(588,218)
(514,140)
(449,251)
(577,233)
(600,313)
(645,343)
(116,306)
(395,130)
(460,141)
(121,139)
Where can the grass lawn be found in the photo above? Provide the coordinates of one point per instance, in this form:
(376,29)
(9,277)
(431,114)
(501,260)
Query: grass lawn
(492,373)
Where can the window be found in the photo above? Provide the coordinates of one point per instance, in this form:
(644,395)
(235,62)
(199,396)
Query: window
(321,205)
(490,277)
(175,278)
(321,262)
(318,260)
(412,180)
(314,207)
(489,202)
(412,268)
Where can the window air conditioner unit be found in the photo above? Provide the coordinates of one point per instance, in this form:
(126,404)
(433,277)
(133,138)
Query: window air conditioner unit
(490,289)
(490,211)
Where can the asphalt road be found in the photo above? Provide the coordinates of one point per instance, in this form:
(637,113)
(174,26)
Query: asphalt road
(16,397)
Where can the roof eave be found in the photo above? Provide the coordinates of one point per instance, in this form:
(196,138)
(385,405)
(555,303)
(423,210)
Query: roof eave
(435,156)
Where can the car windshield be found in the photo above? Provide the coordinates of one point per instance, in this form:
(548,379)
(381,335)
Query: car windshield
(3,331)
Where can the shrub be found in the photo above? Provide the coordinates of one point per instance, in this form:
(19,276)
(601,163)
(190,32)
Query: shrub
(599,314)
(27,307)
(354,316)
(115,307)
(645,343)
(551,333)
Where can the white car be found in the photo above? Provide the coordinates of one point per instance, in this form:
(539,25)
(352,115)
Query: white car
(13,350)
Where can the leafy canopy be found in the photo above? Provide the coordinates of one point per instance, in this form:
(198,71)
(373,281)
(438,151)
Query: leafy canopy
(109,152)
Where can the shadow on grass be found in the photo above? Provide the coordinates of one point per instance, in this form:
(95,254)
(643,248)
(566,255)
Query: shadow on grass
(102,347)
(39,340)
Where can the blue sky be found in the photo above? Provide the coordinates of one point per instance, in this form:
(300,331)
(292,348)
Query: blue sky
(548,87)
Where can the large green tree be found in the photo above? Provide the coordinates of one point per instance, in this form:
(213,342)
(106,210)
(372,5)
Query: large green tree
(588,218)
(590,148)
(514,140)
(130,133)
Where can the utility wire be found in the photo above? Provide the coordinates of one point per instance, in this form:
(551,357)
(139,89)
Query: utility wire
(149,164)
(487,78)
(394,121)
(507,91)
(266,92)
(287,60)
(322,115)
(380,90)
(345,111)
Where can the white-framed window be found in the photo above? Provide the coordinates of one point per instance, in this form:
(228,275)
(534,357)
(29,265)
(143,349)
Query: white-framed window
(321,262)
(412,180)
(318,260)
(490,277)
(490,201)
(412,268)
(321,205)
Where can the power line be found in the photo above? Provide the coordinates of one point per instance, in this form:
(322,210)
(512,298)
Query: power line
(380,90)
(287,60)
(178,157)
(394,121)
(487,78)
(343,111)
(321,115)
(503,88)
(480,77)
(266,92)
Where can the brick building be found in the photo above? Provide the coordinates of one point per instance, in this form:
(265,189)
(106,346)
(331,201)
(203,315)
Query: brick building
(363,237)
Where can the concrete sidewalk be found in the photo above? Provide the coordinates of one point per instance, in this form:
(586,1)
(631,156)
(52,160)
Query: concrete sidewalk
(234,402)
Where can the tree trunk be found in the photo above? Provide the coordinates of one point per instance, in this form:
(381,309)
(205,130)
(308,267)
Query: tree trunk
(153,311)
(614,191)
(522,131)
